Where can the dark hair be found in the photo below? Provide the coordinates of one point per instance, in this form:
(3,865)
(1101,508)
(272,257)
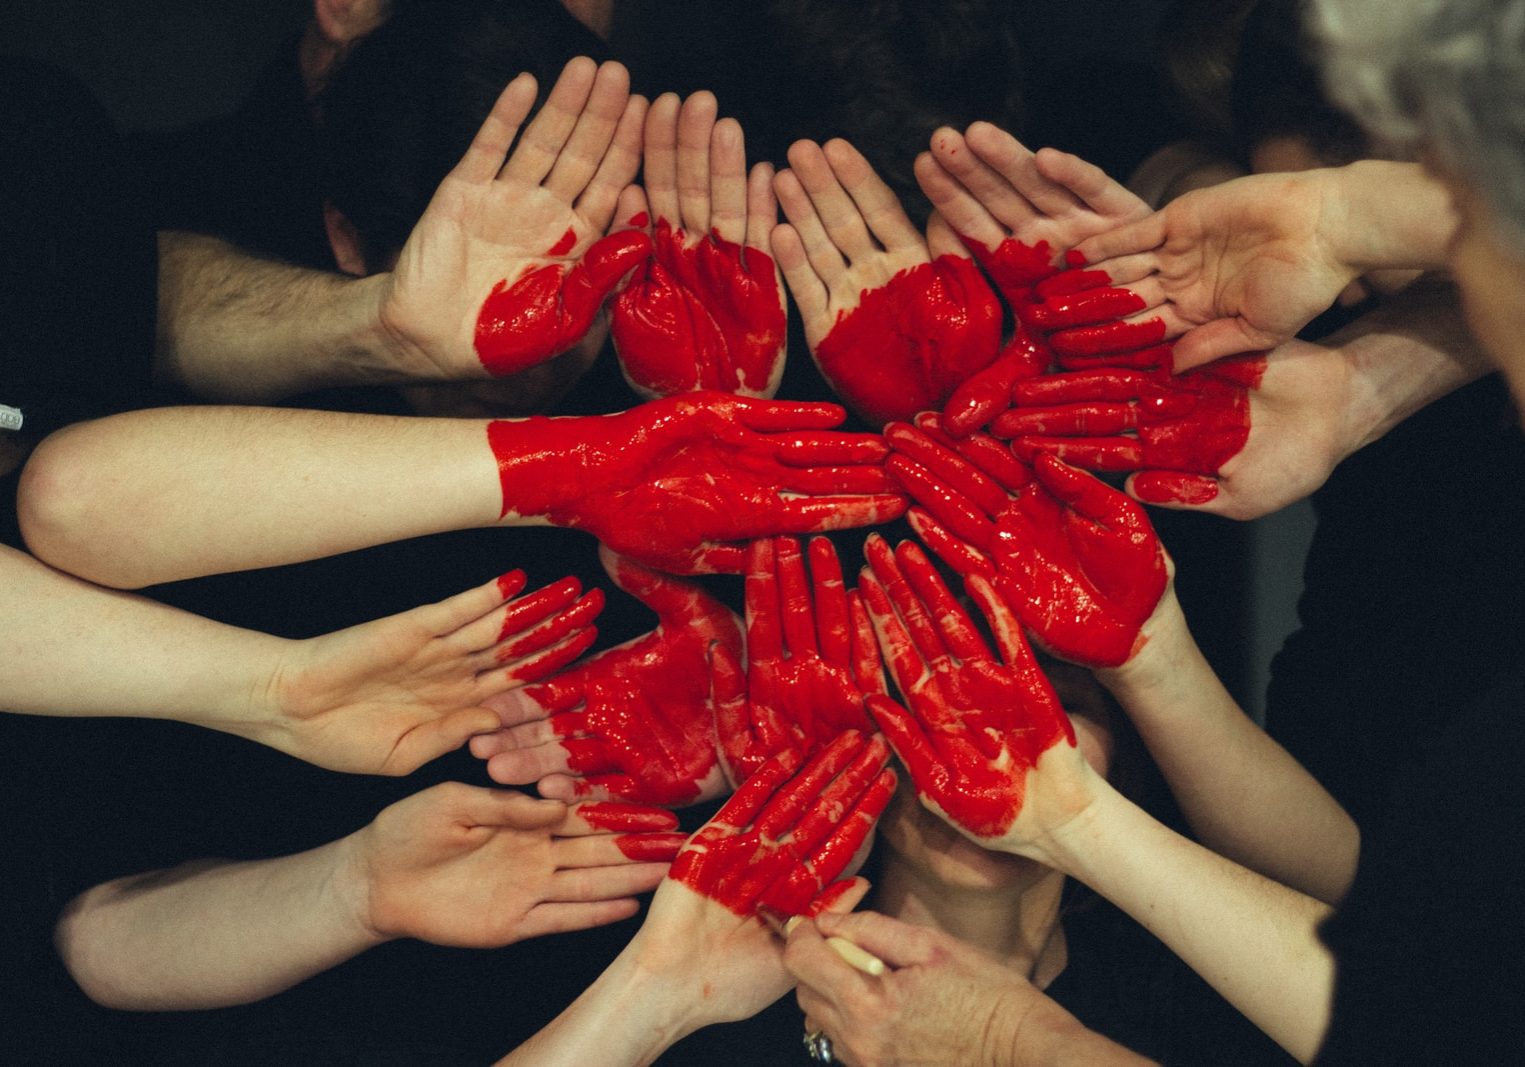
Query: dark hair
(1199,41)
(407,100)
(1277,91)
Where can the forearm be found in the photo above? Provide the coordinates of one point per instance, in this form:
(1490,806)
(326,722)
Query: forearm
(212,934)
(146,659)
(1390,215)
(1049,1036)
(1411,351)
(235,327)
(627,1018)
(1242,794)
(160,495)
(1254,940)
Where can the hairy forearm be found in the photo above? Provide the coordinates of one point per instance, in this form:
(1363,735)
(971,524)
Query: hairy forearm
(1242,794)
(161,495)
(146,659)
(213,933)
(1254,940)
(235,327)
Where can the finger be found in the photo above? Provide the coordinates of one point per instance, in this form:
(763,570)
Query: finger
(803,449)
(1144,359)
(535,703)
(762,206)
(484,156)
(1078,387)
(1145,235)
(942,240)
(1089,496)
(621,162)
(818,481)
(535,666)
(947,466)
(867,666)
(524,736)
(432,739)
(611,850)
(960,555)
(1072,420)
(822,255)
(527,612)
(954,203)
(786,807)
(767,416)
(1085,308)
(1096,453)
(825,513)
(905,663)
(1003,155)
(897,943)
(504,808)
(957,628)
(561,918)
(1218,339)
(924,634)
(908,736)
(660,157)
(988,392)
(524,766)
(748,800)
(810,295)
(985,454)
(875,204)
(794,595)
(669,597)
(833,620)
(605,883)
(1172,489)
(614,785)
(831,841)
(996,190)
(824,976)
(728,182)
(1124,335)
(596,817)
(839,219)
(535,154)
(632,212)
(590,138)
(953,509)
(696,123)
(1100,192)
(1004,624)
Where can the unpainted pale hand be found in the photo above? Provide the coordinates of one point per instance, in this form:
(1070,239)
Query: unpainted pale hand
(811,659)
(895,320)
(634,722)
(387,696)
(683,483)
(508,266)
(481,868)
(707,310)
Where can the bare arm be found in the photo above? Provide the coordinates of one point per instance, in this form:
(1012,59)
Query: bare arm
(454,864)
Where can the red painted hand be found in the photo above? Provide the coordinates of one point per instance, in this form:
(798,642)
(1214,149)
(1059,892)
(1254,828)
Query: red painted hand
(707,311)
(785,838)
(810,660)
(895,320)
(634,722)
(978,726)
(1184,428)
(679,483)
(1078,560)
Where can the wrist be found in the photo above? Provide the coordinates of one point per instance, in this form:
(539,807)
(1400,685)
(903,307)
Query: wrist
(545,466)
(1387,215)
(351,892)
(1157,662)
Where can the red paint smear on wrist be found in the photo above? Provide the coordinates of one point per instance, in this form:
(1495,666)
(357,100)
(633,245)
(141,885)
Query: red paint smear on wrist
(910,343)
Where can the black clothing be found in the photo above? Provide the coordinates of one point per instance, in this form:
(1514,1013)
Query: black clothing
(1431,940)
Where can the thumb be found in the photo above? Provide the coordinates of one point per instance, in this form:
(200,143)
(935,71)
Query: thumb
(430,740)
(1215,340)
(897,943)
(603,265)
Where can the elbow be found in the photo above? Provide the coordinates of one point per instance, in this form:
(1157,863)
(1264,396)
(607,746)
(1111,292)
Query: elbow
(63,493)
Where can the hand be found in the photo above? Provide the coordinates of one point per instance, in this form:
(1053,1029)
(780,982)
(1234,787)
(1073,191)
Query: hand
(1078,560)
(1020,213)
(979,727)
(944,1002)
(482,868)
(634,722)
(895,321)
(1239,267)
(707,310)
(388,696)
(810,660)
(681,483)
(1185,428)
(505,268)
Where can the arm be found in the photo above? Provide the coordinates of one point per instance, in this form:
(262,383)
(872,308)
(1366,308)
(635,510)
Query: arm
(1003,769)
(159,495)
(707,310)
(454,864)
(703,956)
(1242,266)
(509,237)
(381,698)
(944,1001)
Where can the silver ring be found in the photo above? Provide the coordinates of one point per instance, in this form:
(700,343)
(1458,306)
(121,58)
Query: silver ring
(818,1045)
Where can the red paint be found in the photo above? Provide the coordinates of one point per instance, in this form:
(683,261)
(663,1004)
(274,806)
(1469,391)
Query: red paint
(640,218)
(546,630)
(1014,266)
(632,818)
(510,584)
(784,838)
(1084,308)
(979,724)
(636,720)
(651,848)
(548,308)
(682,483)
(1166,487)
(709,316)
(1192,423)
(911,342)
(987,393)
(1078,560)
(811,658)
(1108,338)
(566,244)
